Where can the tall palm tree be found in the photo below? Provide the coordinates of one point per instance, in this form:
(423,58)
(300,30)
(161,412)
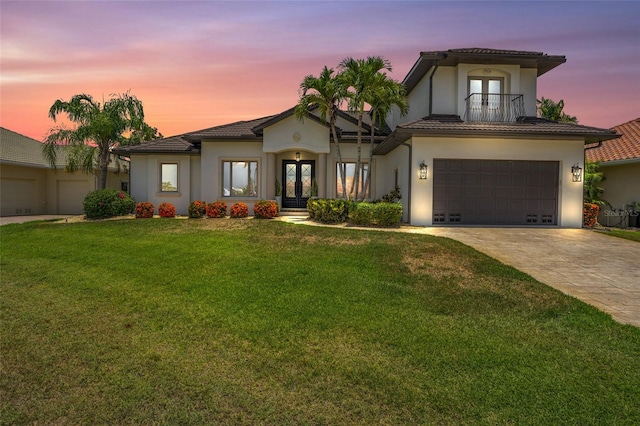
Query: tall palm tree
(99,128)
(387,94)
(325,92)
(551,110)
(361,76)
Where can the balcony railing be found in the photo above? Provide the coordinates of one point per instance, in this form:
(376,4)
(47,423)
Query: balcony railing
(494,108)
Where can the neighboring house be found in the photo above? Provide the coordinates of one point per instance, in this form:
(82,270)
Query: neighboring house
(471,122)
(619,160)
(30,186)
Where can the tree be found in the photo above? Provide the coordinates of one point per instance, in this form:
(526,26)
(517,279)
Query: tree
(551,110)
(387,94)
(325,92)
(361,76)
(99,128)
(592,190)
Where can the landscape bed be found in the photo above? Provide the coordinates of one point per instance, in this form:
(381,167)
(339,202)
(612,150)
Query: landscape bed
(263,322)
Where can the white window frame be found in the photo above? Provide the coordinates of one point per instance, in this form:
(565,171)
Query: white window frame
(177,187)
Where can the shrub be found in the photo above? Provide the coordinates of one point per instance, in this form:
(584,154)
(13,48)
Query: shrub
(217,209)
(264,209)
(105,203)
(590,214)
(327,210)
(197,209)
(144,210)
(167,210)
(239,210)
(380,214)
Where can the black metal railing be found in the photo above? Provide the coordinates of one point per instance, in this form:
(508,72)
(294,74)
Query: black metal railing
(493,108)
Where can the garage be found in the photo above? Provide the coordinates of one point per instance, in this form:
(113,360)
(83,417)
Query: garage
(18,196)
(71,194)
(495,192)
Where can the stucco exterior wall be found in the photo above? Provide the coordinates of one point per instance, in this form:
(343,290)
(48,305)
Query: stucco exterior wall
(621,187)
(292,134)
(566,151)
(146,180)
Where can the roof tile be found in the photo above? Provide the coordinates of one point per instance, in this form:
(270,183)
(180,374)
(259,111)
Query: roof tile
(627,147)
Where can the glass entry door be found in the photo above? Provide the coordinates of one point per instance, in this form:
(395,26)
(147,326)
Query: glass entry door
(298,180)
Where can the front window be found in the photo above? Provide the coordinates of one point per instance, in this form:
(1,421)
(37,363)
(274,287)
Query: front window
(239,178)
(349,172)
(169,177)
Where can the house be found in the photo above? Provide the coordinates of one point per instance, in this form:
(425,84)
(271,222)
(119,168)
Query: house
(30,186)
(619,161)
(469,152)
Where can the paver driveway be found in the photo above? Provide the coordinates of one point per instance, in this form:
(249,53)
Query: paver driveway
(601,270)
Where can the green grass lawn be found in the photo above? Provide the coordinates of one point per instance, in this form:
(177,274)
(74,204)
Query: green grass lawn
(623,233)
(259,322)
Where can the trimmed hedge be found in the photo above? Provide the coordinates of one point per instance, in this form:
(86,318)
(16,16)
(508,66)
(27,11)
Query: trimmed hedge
(105,203)
(328,211)
(265,209)
(167,210)
(239,210)
(144,210)
(217,209)
(375,214)
(590,214)
(197,209)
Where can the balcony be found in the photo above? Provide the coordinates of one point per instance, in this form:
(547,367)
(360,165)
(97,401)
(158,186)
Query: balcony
(493,108)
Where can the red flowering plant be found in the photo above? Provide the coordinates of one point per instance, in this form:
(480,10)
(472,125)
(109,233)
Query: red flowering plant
(590,214)
(265,209)
(144,209)
(197,209)
(167,210)
(239,210)
(217,209)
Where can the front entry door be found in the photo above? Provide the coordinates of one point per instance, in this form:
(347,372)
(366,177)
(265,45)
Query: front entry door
(298,178)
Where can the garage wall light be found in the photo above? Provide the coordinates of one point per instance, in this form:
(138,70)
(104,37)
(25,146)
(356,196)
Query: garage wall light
(576,173)
(423,170)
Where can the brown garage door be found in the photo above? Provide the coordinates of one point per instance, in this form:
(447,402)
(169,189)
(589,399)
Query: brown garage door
(495,192)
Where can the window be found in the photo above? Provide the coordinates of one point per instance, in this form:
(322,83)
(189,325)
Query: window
(349,172)
(239,178)
(169,177)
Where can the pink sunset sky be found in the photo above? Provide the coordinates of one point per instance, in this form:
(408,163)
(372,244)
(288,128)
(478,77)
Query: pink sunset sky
(200,64)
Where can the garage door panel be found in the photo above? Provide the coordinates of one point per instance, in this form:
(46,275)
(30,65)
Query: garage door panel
(495,192)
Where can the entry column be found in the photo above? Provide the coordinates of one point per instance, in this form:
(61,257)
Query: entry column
(321,175)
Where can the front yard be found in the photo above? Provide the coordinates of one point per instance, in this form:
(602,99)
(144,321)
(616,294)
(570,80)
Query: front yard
(223,321)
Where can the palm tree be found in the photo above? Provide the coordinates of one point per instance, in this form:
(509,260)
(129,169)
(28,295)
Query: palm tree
(99,129)
(325,92)
(551,110)
(361,76)
(387,94)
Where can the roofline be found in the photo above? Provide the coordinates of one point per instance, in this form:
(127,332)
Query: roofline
(619,162)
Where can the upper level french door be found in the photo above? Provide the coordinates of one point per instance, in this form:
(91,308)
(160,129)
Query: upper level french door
(485,102)
(298,180)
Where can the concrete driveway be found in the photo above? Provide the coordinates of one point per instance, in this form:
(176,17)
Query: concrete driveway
(601,270)
(22,219)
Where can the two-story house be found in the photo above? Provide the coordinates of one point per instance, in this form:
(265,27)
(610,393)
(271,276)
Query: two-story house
(469,152)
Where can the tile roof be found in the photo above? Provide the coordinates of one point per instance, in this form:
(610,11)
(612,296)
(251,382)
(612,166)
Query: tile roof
(239,129)
(627,147)
(485,51)
(19,149)
(452,125)
(170,144)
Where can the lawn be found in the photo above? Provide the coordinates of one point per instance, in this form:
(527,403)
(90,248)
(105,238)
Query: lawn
(627,234)
(164,321)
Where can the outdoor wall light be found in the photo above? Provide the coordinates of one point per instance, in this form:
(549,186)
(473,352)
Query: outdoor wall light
(298,156)
(576,172)
(423,170)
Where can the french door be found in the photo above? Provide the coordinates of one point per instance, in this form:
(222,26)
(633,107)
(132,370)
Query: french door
(298,180)
(485,98)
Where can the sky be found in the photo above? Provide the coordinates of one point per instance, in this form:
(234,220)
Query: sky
(199,64)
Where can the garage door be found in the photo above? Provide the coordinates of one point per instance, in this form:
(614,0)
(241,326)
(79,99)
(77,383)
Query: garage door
(17,196)
(71,194)
(495,192)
